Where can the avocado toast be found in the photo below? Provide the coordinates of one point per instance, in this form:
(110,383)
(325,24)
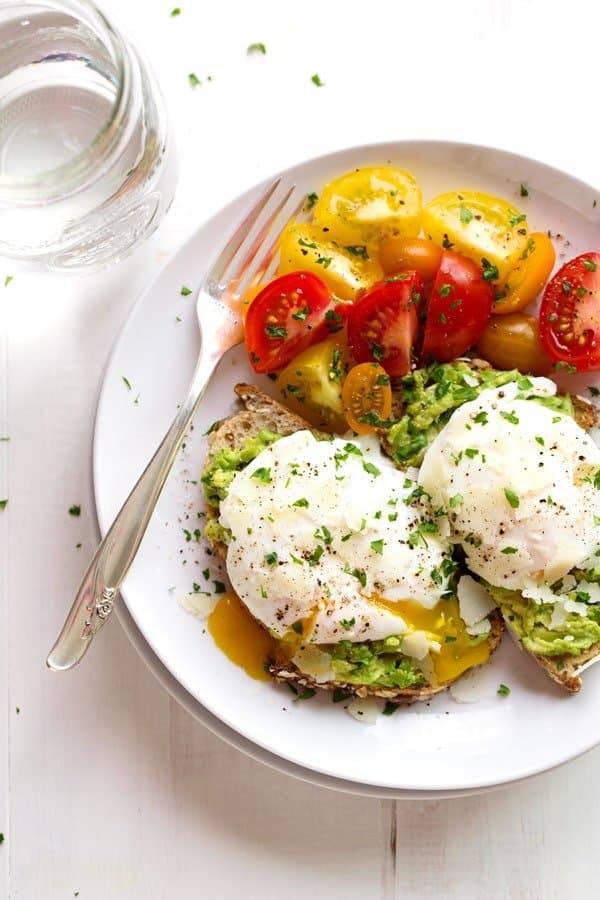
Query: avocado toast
(361,668)
(431,396)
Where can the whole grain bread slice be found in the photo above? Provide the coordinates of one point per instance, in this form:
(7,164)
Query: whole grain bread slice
(263,412)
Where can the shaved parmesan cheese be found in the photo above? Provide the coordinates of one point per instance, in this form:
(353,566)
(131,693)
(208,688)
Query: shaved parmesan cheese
(426,666)
(475,685)
(590,588)
(198,605)
(575,606)
(312,661)
(364,709)
(483,627)
(474,601)
(471,380)
(415,644)
(568,584)
(559,614)
(539,593)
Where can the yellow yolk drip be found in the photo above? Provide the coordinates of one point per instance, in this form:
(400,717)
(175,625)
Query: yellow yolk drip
(240,637)
(443,624)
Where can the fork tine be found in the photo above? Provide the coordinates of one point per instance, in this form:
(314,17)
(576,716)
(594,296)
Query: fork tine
(256,239)
(236,240)
(254,268)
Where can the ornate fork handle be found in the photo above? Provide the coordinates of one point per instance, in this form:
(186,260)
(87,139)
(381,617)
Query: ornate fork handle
(95,599)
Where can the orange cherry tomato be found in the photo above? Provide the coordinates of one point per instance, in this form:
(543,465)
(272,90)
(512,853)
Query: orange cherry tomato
(513,342)
(526,281)
(399,254)
(366,397)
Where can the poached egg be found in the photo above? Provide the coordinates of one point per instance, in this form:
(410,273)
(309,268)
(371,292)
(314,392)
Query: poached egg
(516,480)
(329,540)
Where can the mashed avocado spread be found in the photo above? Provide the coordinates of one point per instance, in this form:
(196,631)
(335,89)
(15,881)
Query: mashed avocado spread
(532,622)
(374,662)
(220,472)
(432,394)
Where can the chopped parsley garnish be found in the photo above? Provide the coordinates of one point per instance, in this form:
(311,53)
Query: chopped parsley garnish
(516,220)
(176,11)
(360,575)
(471,452)
(481,418)
(392,516)
(371,469)
(383,380)
(509,550)
(317,80)
(301,314)
(3,504)
(540,440)
(193,79)
(324,261)
(271,558)
(569,368)
(389,708)
(311,199)
(503,690)
(333,320)
(590,265)
(219,587)
(185,291)
(377,351)
(297,560)
(74,510)
(303,502)
(510,417)
(352,448)
(206,574)
(347,624)
(455,501)
(262,474)
(316,555)
(126,382)
(256,48)
(310,245)
(263,593)
(512,498)
(335,371)
(358,250)
(445,290)
(323,534)
(8,280)
(275,331)
(595,479)
(377,547)
(490,271)
(417,535)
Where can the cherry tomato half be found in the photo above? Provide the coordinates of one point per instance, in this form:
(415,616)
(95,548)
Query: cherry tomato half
(570,314)
(285,318)
(366,392)
(401,254)
(513,342)
(528,278)
(382,324)
(458,310)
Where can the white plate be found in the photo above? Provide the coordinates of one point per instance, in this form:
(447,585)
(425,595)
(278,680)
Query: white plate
(440,746)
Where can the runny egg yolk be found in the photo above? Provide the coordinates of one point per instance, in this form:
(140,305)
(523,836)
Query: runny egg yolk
(240,637)
(444,625)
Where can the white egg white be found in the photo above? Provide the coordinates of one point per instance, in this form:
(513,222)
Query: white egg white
(320,530)
(516,480)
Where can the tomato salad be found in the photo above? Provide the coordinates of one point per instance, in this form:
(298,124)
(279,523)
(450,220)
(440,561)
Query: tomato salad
(377,283)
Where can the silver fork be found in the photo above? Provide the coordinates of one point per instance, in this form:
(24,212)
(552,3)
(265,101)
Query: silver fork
(243,261)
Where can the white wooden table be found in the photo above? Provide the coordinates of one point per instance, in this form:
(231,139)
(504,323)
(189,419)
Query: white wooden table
(108,789)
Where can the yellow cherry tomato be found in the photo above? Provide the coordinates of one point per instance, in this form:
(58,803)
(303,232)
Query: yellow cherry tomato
(311,384)
(368,204)
(528,277)
(345,271)
(513,342)
(399,254)
(486,229)
(366,391)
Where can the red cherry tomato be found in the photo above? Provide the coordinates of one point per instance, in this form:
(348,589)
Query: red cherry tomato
(570,314)
(382,324)
(290,313)
(458,310)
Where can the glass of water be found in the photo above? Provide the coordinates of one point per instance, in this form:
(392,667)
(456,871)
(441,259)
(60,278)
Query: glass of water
(87,163)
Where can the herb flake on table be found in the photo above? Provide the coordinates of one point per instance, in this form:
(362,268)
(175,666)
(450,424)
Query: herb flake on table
(8,280)
(126,382)
(185,290)
(503,690)
(219,587)
(194,80)
(316,80)
(256,48)
(3,504)
(75,510)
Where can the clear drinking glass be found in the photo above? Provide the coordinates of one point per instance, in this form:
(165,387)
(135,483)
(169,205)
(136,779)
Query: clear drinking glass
(87,163)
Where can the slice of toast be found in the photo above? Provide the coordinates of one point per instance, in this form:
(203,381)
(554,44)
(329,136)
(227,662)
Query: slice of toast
(263,412)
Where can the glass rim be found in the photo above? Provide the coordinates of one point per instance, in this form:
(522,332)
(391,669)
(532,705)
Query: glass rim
(68,176)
